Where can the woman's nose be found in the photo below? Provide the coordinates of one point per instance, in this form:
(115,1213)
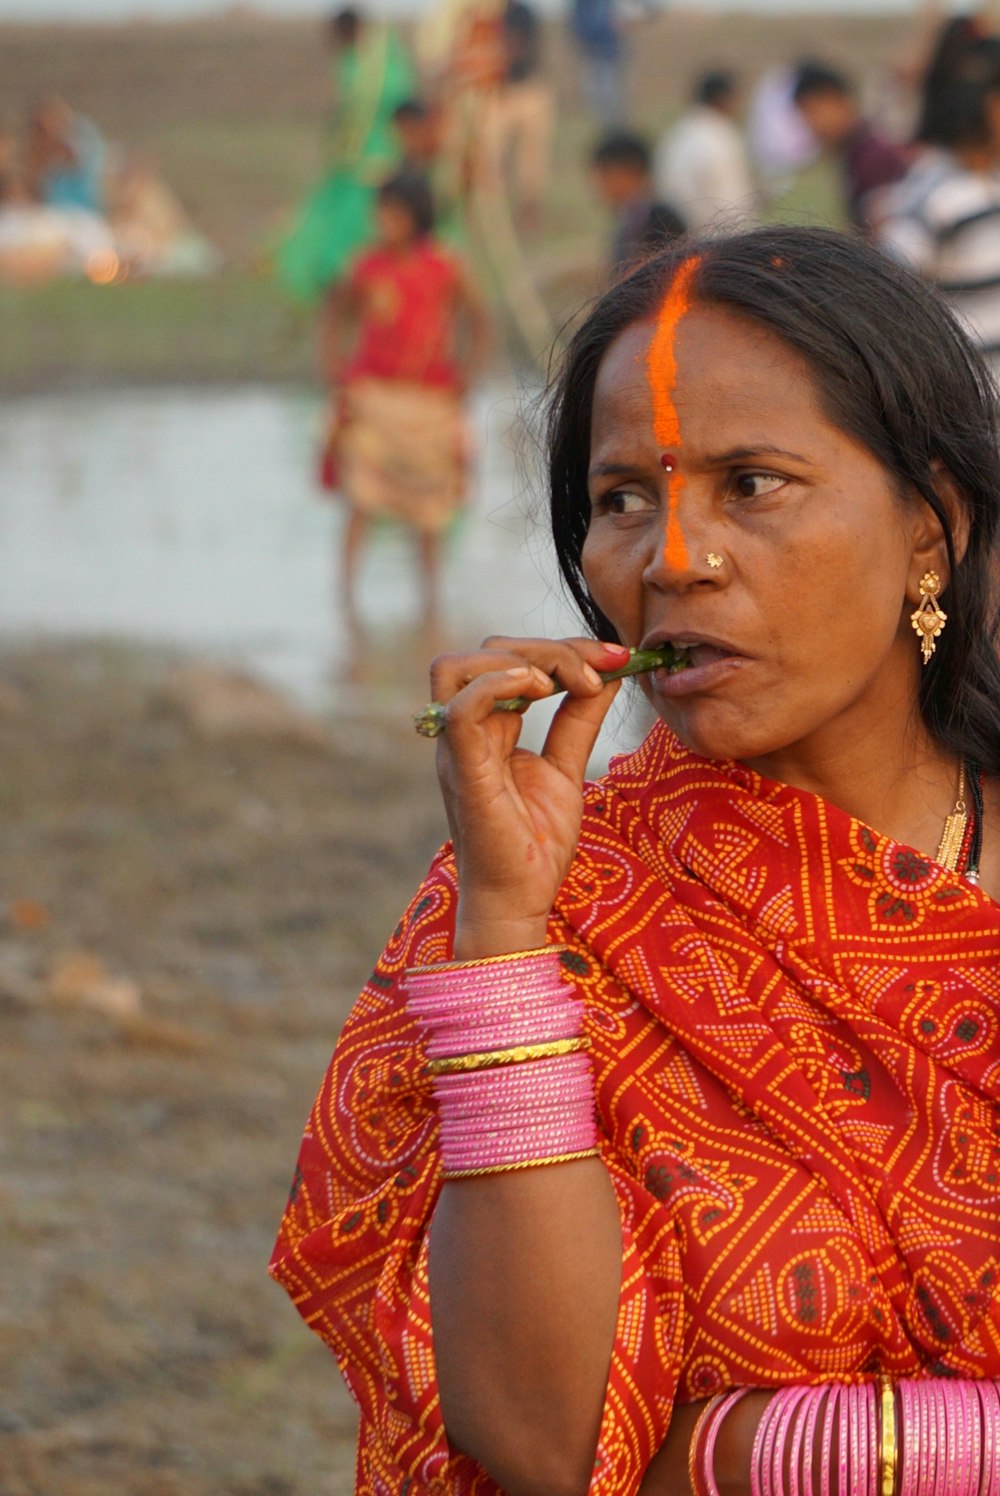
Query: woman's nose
(677,555)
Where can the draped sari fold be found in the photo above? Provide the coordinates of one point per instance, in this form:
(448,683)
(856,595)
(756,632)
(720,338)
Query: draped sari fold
(795,1041)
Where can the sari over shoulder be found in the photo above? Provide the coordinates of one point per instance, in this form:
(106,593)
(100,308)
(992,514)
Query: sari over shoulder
(795,1039)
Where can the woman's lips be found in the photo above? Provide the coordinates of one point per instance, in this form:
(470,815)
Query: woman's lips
(709,665)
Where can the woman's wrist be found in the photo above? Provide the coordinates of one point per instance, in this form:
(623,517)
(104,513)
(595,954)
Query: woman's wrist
(475,938)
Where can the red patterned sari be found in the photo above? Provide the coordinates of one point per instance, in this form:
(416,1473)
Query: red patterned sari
(795,1040)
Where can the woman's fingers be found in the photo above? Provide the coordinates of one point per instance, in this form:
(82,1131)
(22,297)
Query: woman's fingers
(575,729)
(476,704)
(572,664)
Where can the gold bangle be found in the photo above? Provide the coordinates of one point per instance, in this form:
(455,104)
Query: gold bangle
(542,950)
(527,1163)
(887,1442)
(489,1059)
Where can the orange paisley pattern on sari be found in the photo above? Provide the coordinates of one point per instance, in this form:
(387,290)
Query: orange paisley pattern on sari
(796,1052)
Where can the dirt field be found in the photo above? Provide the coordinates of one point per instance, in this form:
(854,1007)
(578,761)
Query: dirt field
(148,1131)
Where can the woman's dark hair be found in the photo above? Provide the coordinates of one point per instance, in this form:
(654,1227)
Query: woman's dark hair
(411,190)
(893,370)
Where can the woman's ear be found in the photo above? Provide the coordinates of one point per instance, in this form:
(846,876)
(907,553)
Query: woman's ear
(930,548)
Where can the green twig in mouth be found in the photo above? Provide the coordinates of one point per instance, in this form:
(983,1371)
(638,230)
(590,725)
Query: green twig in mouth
(430,722)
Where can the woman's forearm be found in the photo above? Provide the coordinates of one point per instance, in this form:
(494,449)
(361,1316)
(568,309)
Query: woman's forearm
(525,1272)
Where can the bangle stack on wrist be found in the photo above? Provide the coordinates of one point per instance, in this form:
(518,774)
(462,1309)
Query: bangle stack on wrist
(941,1436)
(512,1079)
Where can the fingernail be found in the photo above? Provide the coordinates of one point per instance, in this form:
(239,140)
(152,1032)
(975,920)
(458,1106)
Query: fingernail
(542,678)
(615,649)
(521,672)
(591,676)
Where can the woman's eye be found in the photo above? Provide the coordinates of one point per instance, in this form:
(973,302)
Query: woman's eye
(757,485)
(624,501)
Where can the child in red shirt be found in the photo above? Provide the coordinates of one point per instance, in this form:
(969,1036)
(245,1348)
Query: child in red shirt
(398,438)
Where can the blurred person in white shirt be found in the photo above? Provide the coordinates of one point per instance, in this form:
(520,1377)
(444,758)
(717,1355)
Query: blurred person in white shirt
(701,162)
(943,218)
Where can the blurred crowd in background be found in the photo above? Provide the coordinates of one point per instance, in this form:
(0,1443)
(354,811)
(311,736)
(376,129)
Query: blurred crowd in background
(437,169)
(467,104)
(72,204)
(449,146)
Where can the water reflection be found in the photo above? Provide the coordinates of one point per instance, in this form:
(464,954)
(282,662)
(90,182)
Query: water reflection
(190,518)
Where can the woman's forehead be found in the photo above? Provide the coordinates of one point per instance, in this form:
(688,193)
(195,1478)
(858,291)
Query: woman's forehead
(719,366)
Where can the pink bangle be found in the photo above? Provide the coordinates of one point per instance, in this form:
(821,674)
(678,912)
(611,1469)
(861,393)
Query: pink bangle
(864,1447)
(933,1393)
(955,1448)
(786,1417)
(814,1413)
(989,1403)
(853,1462)
(843,1443)
(701,1464)
(972,1423)
(805,1425)
(773,1419)
(927,1441)
(757,1450)
(871,1422)
(829,1424)
(908,1437)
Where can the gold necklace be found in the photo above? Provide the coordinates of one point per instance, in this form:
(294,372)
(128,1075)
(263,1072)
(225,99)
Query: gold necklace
(950,847)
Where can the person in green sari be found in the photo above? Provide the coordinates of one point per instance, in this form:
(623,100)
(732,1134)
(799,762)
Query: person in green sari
(372,75)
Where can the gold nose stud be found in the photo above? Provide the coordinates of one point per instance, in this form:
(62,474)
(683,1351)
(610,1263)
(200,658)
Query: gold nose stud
(714,560)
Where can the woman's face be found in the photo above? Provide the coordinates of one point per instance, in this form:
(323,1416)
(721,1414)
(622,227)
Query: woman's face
(801,644)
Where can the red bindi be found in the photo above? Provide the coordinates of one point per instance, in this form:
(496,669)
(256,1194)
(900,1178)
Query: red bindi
(668,461)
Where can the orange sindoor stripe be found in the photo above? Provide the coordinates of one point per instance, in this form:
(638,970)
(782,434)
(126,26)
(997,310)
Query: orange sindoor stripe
(661,370)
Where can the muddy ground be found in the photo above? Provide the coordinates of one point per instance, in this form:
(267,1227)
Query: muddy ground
(183,926)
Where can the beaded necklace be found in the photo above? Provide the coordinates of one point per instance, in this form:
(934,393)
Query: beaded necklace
(961,846)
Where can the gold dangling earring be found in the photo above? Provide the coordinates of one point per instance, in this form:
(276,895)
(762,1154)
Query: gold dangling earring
(930,618)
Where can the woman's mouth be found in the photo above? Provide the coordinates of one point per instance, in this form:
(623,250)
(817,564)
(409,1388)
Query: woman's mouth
(698,665)
(693,656)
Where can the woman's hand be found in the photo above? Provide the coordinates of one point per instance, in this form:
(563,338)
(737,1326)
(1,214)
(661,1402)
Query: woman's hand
(515,816)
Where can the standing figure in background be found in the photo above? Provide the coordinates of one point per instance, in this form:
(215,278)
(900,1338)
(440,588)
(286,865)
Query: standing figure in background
(467,71)
(621,165)
(398,442)
(372,75)
(596,32)
(957,41)
(869,162)
(418,131)
(781,143)
(701,162)
(517,126)
(65,157)
(944,218)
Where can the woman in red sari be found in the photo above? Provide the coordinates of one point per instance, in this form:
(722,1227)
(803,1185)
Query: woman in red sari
(778,920)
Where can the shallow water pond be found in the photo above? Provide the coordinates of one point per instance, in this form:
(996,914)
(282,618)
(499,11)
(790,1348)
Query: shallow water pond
(190,517)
